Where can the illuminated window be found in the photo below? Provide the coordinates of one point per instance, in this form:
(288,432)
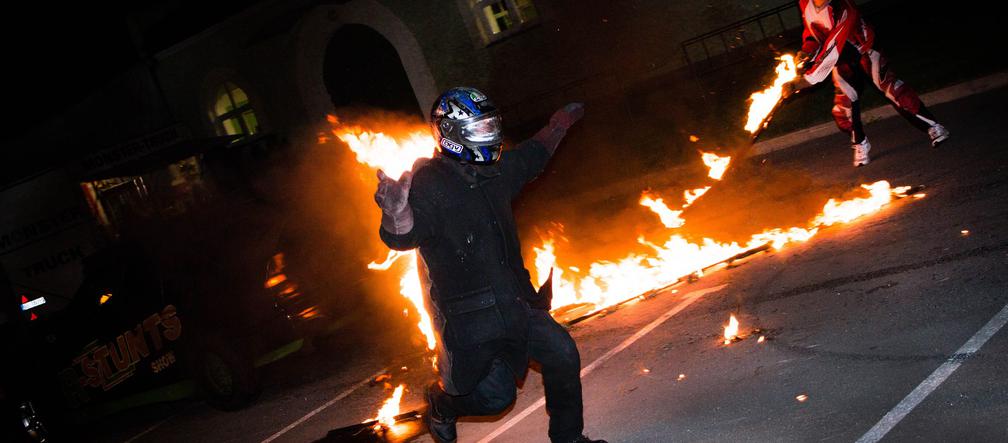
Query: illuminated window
(500,18)
(233,112)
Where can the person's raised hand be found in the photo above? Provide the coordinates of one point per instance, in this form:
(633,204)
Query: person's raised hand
(392,195)
(565,117)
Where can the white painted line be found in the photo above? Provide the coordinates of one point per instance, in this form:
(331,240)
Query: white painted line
(329,403)
(893,417)
(933,98)
(689,298)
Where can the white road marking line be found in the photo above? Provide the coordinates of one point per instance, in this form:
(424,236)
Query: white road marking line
(689,298)
(893,417)
(326,405)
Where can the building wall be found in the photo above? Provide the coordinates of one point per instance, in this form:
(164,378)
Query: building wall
(274,51)
(592,50)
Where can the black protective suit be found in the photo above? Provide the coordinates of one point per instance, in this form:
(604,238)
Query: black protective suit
(482,303)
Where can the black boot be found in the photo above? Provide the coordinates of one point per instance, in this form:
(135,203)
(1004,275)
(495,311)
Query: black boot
(441,428)
(584,439)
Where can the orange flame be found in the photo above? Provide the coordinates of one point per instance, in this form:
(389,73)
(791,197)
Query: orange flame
(763,102)
(409,287)
(668,217)
(611,282)
(731,331)
(717,164)
(691,196)
(608,282)
(390,409)
(392,154)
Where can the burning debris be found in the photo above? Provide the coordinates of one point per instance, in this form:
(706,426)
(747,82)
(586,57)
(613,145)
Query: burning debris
(406,427)
(390,409)
(731,330)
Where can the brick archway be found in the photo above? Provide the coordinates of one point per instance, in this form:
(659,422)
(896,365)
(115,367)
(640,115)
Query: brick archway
(316,32)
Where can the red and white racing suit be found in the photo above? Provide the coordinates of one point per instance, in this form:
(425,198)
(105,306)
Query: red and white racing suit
(842,44)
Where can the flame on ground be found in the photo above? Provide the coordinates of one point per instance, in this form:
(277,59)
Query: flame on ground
(611,282)
(717,164)
(731,330)
(763,102)
(390,409)
(691,196)
(668,217)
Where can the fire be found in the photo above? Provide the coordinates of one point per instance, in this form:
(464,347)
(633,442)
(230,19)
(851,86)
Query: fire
(731,331)
(612,281)
(691,196)
(390,409)
(392,154)
(609,282)
(409,287)
(717,164)
(668,217)
(844,212)
(545,262)
(765,101)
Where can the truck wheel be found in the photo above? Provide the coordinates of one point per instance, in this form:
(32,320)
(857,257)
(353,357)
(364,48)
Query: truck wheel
(226,378)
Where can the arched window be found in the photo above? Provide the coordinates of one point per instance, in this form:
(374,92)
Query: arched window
(232,112)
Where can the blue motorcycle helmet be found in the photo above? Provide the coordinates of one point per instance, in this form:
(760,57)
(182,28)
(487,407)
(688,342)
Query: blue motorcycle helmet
(467,126)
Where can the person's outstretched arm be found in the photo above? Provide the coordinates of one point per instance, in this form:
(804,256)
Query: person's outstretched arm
(527,160)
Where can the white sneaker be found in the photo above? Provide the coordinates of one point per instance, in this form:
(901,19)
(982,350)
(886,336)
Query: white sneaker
(938,134)
(861,153)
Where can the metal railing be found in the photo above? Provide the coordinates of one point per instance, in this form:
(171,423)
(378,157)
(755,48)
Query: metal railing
(729,39)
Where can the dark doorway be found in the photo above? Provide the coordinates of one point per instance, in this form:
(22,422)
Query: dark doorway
(362,68)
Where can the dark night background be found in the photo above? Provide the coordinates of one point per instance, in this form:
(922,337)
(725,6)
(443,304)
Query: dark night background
(56,54)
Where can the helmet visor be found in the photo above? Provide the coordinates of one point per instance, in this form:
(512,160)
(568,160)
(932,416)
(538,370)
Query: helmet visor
(482,130)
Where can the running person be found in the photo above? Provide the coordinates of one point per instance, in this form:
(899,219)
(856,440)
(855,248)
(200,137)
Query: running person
(838,41)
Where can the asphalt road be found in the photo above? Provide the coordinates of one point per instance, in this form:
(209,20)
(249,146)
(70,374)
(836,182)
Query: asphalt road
(855,320)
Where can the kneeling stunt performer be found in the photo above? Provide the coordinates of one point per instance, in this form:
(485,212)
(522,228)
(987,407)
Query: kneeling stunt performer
(456,208)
